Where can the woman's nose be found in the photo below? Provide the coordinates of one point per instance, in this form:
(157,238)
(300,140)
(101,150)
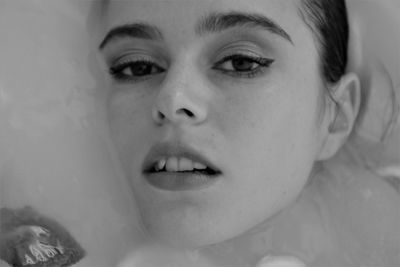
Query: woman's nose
(181,99)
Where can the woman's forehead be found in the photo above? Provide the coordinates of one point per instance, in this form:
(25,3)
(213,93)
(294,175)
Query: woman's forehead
(187,13)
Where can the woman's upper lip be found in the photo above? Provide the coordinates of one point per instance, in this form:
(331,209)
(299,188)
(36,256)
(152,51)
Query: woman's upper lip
(172,149)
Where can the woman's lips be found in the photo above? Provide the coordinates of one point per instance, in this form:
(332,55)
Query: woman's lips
(177,167)
(180,181)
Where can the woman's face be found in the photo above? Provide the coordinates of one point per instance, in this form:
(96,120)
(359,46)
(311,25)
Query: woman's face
(213,107)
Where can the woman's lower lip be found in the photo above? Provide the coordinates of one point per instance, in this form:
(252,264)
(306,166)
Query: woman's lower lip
(180,181)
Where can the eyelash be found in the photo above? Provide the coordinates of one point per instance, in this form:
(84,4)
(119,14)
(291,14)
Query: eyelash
(262,63)
(117,70)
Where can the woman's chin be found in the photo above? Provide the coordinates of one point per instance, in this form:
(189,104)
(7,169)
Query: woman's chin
(181,238)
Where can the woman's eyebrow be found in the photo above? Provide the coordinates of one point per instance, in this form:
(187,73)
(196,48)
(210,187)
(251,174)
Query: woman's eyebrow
(133,30)
(217,22)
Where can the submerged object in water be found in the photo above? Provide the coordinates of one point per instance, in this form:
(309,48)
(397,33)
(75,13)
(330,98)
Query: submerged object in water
(30,239)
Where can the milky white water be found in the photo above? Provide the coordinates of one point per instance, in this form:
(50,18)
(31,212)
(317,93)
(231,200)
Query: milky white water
(55,156)
(53,150)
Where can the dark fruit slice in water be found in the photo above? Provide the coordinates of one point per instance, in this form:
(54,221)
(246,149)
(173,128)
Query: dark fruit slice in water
(30,239)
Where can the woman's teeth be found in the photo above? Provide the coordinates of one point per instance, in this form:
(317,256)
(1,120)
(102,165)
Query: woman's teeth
(174,164)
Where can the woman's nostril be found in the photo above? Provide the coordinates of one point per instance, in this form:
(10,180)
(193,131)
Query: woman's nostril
(161,115)
(184,111)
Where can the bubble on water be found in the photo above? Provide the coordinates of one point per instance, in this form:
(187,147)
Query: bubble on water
(4,97)
(280,261)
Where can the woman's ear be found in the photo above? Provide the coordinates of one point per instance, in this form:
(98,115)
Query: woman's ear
(341,115)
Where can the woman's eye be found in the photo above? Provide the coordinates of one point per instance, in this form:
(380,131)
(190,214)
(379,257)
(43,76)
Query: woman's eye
(242,65)
(135,70)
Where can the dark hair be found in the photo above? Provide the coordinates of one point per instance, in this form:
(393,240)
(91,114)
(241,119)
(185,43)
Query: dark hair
(328,21)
